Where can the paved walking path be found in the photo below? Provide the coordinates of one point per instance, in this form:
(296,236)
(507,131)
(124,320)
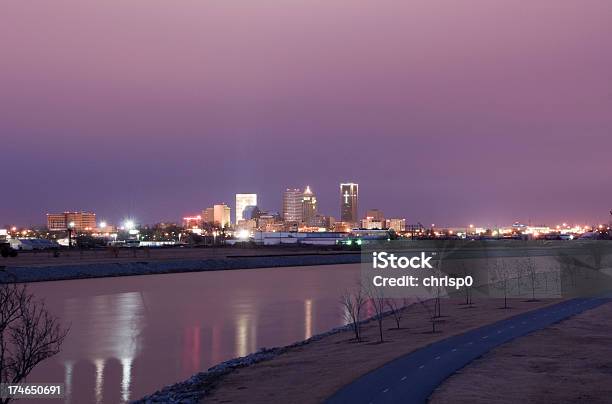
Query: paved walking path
(412,378)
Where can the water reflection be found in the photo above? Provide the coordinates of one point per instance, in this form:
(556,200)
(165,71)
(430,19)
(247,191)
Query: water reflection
(307,318)
(68,366)
(191,349)
(246,334)
(126,366)
(131,336)
(99,379)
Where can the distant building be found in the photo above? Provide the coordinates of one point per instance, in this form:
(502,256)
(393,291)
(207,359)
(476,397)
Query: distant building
(251,212)
(191,222)
(376,215)
(306,238)
(249,224)
(292,205)
(242,201)
(370,224)
(399,225)
(269,222)
(208,215)
(349,202)
(222,215)
(79,221)
(342,227)
(309,207)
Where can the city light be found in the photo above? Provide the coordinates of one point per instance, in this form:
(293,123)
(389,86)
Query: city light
(102,225)
(128,224)
(243,234)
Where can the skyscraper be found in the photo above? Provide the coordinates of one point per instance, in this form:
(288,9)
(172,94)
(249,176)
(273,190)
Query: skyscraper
(292,205)
(309,207)
(222,215)
(349,202)
(242,201)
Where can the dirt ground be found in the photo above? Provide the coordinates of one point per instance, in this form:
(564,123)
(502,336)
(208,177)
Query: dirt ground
(570,362)
(312,373)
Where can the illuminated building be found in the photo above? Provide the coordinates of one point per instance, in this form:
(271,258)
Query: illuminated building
(371,224)
(399,225)
(309,207)
(349,202)
(222,215)
(79,221)
(342,227)
(242,201)
(292,205)
(208,215)
(191,222)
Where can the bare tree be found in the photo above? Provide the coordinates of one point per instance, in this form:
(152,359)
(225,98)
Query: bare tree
(29,334)
(396,310)
(352,303)
(502,276)
(431,313)
(377,298)
(530,268)
(465,270)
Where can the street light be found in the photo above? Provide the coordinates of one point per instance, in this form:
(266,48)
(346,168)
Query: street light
(70,230)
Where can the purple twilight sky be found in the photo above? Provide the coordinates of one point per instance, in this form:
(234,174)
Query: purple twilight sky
(445,111)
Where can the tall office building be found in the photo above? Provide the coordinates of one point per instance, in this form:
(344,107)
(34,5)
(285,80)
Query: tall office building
(292,205)
(81,221)
(242,201)
(222,215)
(349,202)
(208,215)
(309,207)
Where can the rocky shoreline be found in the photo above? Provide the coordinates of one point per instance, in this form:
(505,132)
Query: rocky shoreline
(192,390)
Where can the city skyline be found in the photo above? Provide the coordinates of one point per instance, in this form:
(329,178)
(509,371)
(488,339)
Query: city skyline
(348,191)
(442,112)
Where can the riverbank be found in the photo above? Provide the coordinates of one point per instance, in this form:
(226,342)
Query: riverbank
(324,364)
(565,363)
(79,265)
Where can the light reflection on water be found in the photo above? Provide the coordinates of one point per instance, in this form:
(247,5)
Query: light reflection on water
(131,336)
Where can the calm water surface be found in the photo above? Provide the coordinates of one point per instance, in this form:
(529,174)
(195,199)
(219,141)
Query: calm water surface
(130,336)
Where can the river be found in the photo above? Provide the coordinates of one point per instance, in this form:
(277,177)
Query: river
(130,336)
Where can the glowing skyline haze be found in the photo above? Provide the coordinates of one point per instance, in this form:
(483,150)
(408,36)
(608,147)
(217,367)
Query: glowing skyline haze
(446,111)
